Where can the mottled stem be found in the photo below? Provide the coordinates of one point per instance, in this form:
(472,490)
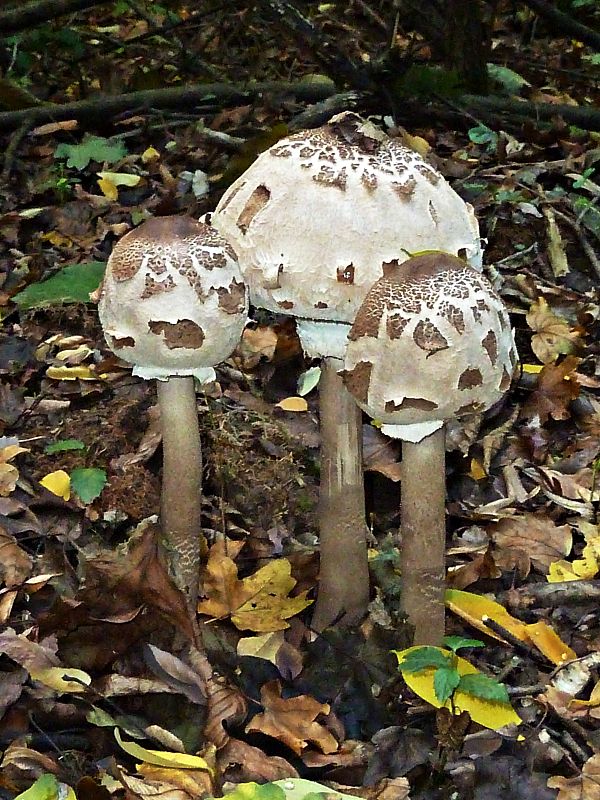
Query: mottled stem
(423,528)
(343,593)
(181,498)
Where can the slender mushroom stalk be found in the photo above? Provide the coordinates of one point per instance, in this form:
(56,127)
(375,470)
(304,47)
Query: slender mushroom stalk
(343,592)
(173,304)
(314,221)
(431,342)
(422,557)
(181,493)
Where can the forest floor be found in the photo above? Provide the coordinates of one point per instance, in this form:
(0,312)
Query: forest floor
(83,584)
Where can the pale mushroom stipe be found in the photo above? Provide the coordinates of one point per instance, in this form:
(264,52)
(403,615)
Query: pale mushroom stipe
(432,342)
(314,221)
(173,304)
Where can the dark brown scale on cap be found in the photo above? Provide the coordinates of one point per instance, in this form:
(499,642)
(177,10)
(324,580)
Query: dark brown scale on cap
(184,333)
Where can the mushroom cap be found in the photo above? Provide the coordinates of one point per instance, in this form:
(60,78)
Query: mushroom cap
(316,217)
(431,342)
(173,301)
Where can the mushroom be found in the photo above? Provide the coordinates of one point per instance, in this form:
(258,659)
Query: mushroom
(431,342)
(314,221)
(173,304)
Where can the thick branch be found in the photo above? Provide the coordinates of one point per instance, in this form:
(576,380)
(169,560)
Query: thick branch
(562,24)
(97,109)
(27,15)
(587,118)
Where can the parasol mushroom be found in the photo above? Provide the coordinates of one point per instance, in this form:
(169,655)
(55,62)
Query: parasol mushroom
(314,221)
(431,342)
(173,304)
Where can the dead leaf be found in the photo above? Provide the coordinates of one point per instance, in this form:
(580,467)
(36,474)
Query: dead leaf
(553,336)
(292,720)
(582,787)
(556,387)
(259,602)
(536,534)
(15,563)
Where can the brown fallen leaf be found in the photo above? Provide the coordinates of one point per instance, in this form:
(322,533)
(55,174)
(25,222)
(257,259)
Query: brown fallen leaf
(536,534)
(240,762)
(582,787)
(556,387)
(15,563)
(553,336)
(292,720)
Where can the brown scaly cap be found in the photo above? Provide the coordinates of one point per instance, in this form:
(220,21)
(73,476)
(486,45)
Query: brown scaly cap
(430,342)
(173,301)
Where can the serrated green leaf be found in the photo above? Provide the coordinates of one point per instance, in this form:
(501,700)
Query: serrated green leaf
(423,658)
(88,482)
(456,642)
(445,681)
(72,284)
(308,380)
(484,687)
(92,148)
(62,445)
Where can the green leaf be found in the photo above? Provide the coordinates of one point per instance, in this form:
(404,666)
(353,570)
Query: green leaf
(484,687)
(64,444)
(72,284)
(308,380)
(456,642)
(445,681)
(481,134)
(87,483)
(93,148)
(424,658)
(45,788)
(507,78)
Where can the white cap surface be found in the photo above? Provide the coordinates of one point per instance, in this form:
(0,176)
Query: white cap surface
(431,342)
(173,301)
(316,218)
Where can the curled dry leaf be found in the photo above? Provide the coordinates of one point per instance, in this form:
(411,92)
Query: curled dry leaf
(292,720)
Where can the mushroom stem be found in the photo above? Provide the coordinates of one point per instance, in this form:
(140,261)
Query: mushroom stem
(423,529)
(181,498)
(343,593)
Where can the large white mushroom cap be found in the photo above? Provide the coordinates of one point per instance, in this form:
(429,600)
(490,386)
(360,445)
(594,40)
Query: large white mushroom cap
(173,301)
(431,342)
(315,219)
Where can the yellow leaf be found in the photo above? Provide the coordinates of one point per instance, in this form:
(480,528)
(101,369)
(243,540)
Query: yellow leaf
(58,678)
(532,369)
(477,472)
(59,483)
(150,154)
(490,714)
(549,643)
(71,374)
(293,404)
(475,609)
(9,476)
(120,178)
(581,569)
(268,604)
(108,189)
(162,758)
(57,239)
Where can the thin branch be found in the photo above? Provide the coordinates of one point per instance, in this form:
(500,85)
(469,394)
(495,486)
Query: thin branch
(563,24)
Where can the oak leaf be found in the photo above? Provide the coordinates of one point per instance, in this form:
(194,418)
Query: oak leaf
(292,720)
